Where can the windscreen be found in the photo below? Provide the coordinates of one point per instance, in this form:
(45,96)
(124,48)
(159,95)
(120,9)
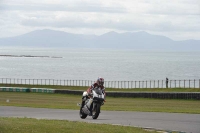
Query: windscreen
(98,91)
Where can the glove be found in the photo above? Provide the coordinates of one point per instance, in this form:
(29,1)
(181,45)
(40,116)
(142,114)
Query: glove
(90,94)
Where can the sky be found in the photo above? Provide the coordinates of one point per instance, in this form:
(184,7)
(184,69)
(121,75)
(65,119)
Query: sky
(176,19)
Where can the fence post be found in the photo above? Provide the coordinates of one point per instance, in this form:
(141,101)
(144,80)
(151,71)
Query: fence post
(128,84)
(189,83)
(131,84)
(158,83)
(139,84)
(125,84)
(179,83)
(135,84)
(194,83)
(142,84)
(170,83)
(150,83)
(146,83)
(184,83)
(154,84)
(175,83)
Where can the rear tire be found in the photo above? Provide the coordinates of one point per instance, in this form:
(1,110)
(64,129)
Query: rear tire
(96,111)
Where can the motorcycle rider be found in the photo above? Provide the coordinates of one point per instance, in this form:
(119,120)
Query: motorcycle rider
(98,84)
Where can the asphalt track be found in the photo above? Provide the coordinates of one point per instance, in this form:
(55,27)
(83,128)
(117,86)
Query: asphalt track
(189,123)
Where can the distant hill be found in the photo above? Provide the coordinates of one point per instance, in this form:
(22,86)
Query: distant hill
(136,40)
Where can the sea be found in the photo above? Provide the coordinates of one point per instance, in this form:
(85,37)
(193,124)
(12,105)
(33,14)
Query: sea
(89,64)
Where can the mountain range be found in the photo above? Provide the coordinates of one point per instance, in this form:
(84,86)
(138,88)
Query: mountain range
(136,40)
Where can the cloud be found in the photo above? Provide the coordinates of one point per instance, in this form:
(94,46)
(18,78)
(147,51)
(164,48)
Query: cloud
(180,16)
(63,7)
(116,21)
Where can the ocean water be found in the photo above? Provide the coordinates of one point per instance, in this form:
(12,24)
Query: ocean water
(88,64)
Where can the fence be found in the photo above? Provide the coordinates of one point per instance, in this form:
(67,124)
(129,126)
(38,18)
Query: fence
(195,83)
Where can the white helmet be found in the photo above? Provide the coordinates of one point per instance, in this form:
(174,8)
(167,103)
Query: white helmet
(100,81)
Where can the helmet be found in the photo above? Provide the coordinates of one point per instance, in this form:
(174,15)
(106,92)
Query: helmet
(100,81)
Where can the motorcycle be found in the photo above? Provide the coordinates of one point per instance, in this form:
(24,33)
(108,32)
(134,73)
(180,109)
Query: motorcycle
(91,105)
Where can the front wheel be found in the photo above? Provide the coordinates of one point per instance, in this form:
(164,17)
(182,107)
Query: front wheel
(96,111)
(82,114)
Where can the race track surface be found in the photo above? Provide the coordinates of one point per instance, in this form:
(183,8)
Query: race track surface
(166,121)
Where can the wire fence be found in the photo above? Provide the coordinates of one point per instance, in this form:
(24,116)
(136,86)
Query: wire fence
(191,83)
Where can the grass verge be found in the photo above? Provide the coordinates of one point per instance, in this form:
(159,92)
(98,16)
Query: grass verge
(65,101)
(107,89)
(29,125)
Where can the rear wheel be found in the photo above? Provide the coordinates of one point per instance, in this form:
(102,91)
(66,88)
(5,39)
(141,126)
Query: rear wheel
(96,111)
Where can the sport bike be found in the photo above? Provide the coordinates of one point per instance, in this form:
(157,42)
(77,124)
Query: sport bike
(91,104)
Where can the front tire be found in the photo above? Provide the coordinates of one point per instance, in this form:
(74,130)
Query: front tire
(82,114)
(96,111)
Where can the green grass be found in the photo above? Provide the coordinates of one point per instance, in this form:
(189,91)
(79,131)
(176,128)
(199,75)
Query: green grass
(29,125)
(65,101)
(107,89)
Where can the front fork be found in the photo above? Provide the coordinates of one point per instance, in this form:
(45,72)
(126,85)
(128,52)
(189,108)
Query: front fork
(83,101)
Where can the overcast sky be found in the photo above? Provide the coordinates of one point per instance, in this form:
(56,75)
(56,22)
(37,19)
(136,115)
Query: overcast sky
(176,19)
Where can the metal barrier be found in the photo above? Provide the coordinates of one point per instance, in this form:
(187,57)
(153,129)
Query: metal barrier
(191,83)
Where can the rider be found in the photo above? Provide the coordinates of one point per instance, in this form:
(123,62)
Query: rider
(99,84)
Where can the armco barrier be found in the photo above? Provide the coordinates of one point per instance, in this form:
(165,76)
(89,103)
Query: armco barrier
(159,95)
(69,92)
(14,89)
(42,90)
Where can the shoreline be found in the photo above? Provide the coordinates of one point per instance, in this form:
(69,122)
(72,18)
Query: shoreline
(30,56)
